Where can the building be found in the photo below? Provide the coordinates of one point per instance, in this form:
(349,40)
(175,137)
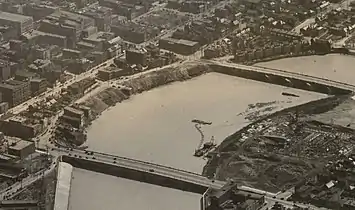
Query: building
(7,32)
(5,70)
(14,92)
(38,11)
(134,32)
(180,46)
(72,112)
(73,121)
(38,86)
(68,24)
(22,23)
(71,54)
(22,75)
(136,57)
(4,106)
(102,17)
(111,73)
(41,67)
(20,127)
(22,149)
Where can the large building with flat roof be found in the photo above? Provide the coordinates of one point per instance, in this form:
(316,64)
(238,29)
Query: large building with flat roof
(68,24)
(22,149)
(15,92)
(22,23)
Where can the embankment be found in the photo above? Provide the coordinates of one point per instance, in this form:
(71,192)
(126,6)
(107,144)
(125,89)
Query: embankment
(62,192)
(111,96)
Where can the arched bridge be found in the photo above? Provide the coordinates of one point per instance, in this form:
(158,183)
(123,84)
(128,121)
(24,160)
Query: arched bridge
(282,77)
(137,170)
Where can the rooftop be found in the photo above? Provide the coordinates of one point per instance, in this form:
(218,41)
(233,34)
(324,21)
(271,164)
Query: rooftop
(14,17)
(21,144)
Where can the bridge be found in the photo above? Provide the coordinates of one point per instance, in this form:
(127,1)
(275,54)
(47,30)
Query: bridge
(137,170)
(282,77)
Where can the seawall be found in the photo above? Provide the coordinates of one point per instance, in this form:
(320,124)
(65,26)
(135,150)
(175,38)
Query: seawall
(141,176)
(62,193)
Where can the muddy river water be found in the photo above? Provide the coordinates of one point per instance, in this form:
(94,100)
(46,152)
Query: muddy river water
(156,126)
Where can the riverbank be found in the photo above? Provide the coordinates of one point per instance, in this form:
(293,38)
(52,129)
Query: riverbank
(111,95)
(227,152)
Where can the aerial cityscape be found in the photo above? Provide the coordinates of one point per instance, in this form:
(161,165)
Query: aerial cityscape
(177,104)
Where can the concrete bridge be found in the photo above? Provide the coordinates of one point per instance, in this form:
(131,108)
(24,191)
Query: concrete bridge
(137,170)
(282,77)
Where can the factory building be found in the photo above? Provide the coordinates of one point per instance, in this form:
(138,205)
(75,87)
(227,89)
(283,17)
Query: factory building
(23,24)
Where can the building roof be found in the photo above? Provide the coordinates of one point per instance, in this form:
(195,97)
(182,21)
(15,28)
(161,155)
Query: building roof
(181,41)
(73,110)
(21,144)
(7,86)
(23,73)
(14,17)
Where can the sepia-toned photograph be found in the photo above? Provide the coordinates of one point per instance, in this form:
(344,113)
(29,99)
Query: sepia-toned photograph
(177,104)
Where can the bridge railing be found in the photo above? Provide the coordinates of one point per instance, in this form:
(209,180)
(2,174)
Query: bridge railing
(305,75)
(137,161)
(335,83)
(147,163)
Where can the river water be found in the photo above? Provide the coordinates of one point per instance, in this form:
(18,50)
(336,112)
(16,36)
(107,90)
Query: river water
(156,126)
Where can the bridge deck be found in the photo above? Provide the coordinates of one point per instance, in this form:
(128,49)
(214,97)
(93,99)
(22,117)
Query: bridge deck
(147,167)
(289,74)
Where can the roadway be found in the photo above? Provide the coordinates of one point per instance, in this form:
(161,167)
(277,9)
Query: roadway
(182,175)
(141,166)
(343,5)
(57,89)
(27,181)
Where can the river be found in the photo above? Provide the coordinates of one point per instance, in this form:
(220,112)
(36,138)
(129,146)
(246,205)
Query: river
(156,126)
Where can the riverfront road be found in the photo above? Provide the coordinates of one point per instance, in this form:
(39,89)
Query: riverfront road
(143,166)
(284,73)
(57,89)
(18,186)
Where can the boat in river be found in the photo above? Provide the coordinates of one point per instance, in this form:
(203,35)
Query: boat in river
(201,122)
(290,94)
(207,147)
